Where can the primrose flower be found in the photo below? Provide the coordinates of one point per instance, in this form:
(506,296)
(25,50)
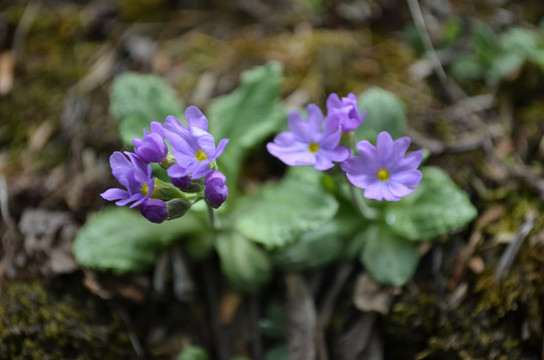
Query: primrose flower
(152,147)
(134,175)
(216,190)
(383,171)
(347,110)
(192,147)
(310,142)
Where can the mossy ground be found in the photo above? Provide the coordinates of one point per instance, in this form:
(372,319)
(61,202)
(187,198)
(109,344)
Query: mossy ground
(43,323)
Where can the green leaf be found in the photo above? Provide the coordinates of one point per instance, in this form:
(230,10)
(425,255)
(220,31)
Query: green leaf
(136,100)
(486,43)
(517,46)
(252,111)
(384,112)
(122,240)
(193,353)
(277,352)
(522,42)
(506,65)
(452,29)
(437,207)
(280,212)
(247,266)
(466,67)
(247,115)
(315,248)
(131,128)
(389,259)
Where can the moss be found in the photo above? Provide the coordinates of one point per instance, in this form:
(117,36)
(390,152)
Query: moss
(37,324)
(43,77)
(144,10)
(486,325)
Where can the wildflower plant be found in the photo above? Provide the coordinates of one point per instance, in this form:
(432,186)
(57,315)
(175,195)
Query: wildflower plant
(353,188)
(192,158)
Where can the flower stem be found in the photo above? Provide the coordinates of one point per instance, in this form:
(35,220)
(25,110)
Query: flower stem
(213,219)
(361,205)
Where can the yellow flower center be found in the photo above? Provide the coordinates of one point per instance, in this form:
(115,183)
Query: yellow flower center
(313,147)
(201,155)
(168,161)
(382,175)
(145,189)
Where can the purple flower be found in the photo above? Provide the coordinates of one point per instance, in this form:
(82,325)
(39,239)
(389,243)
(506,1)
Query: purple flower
(152,147)
(383,171)
(215,191)
(134,175)
(193,147)
(347,111)
(154,210)
(308,143)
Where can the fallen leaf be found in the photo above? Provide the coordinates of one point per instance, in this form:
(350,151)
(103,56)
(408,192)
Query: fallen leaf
(370,296)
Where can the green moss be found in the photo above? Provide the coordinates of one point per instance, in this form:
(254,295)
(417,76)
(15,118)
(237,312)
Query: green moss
(37,324)
(55,57)
(487,324)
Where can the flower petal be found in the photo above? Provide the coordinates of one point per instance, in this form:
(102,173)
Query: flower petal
(408,178)
(352,164)
(384,147)
(378,191)
(195,118)
(221,147)
(177,171)
(298,126)
(331,140)
(315,119)
(323,162)
(201,170)
(115,194)
(296,154)
(285,138)
(399,190)
(126,201)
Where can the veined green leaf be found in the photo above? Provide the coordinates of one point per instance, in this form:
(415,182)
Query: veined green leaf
(247,266)
(247,115)
(389,259)
(122,240)
(437,207)
(136,100)
(280,212)
(313,249)
(384,112)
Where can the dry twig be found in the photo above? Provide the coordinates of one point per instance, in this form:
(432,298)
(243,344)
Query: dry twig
(512,250)
(419,21)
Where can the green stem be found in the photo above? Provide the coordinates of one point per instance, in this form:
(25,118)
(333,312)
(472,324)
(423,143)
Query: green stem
(213,219)
(361,205)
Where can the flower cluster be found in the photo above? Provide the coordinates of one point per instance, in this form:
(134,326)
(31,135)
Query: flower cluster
(384,171)
(190,165)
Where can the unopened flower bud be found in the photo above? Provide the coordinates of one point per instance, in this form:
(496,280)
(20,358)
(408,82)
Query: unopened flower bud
(177,208)
(216,190)
(154,210)
(186,184)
